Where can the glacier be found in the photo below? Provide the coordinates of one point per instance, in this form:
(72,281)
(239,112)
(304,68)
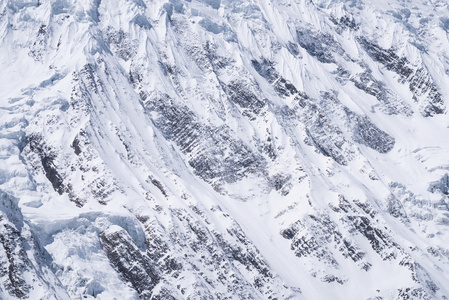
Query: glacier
(224,149)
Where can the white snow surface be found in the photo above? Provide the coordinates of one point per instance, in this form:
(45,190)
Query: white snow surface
(87,90)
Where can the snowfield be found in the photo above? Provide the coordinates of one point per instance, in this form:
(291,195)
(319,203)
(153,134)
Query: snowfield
(224,149)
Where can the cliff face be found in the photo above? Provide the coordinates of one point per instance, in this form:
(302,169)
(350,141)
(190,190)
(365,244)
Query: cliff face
(211,149)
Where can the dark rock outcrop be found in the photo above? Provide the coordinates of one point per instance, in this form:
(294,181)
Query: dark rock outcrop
(133,265)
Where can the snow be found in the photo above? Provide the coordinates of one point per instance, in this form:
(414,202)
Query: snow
(129,169)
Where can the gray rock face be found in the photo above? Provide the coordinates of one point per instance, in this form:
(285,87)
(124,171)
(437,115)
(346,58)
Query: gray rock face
(322,130)
(420,82)
(442,185)
(213,153)
(391,103)
(15,261)
(220,255)
(126,257)
(321,46)
(372,136)
(47,160)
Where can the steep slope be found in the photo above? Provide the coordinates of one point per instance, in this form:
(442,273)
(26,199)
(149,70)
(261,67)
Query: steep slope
(211,149)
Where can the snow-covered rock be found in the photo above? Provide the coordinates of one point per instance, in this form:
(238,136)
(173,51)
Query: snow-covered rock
(224,149)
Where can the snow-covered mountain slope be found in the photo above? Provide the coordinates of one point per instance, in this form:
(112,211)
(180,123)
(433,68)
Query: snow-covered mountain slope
(224,149)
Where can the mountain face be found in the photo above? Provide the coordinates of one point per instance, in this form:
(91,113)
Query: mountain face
(224,149)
